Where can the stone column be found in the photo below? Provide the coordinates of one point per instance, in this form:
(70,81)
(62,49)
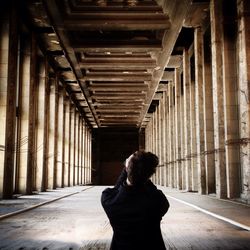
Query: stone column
(54,123)
(86,155)
(208,116)
(46,115)
(31,154)
(153,143)
(166,151)
(244,96)
(187,121)
(198,53)
(168,135)
(80,152)
(171,136)
(66,103)
(76,147)
(4,48)
(156,142)
(158,123)
(83,152)
(182,160)
(177,121)
(60,135)
(51,134)
(8,89)
(193,150)
(146,137)
(218,97)
(40,145)
(231,100)
(63,107)
(90,157)
(151,134)
(161,142)
(164,142)
(56,151)
(23,117)
(72,144)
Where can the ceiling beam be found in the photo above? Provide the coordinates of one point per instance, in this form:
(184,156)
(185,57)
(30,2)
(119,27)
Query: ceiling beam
(112,88)
(162,87)
(113,6)
(118,98)
(118,106)
(118,47)
(117,24)
(117,77)
(174,61)
(168,76)
(119,64)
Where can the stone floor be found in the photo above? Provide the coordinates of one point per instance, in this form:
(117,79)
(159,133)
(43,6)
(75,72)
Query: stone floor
(75,220)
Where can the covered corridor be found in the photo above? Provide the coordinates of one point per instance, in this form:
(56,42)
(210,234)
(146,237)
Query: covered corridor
(68,122)
(84,83)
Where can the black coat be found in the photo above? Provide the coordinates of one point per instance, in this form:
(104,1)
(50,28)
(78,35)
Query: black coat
(135,213)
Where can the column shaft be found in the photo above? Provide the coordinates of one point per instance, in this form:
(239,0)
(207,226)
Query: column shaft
(51,135)
(46,128)
(60,135)
(40,145)
(187,121)
(72,144)
(83,152)
(182,140)
(231,99)
(164,141)
(66,102)
(218,100)
(244,95)
(10,127)
(193,155)
(177,137)
(171,135)
(23,116)
(31,154)
(198,52)
(8,105)
(208,116)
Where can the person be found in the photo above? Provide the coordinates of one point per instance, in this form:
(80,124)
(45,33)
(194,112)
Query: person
(135,206)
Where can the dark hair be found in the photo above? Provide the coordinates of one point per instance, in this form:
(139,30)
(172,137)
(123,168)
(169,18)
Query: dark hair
(141,166)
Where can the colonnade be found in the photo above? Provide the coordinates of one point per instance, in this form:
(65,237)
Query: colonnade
(201,127)
(45,142)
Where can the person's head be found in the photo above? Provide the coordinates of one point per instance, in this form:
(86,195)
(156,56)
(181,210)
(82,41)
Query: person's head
(141,166)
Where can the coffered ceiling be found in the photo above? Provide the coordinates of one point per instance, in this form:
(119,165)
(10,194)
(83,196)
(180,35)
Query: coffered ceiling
(113,56)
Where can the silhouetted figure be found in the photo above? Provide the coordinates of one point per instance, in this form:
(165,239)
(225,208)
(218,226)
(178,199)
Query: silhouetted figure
(135,206)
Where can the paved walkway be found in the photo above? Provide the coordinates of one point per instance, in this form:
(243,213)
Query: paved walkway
(228,210)
(233,212)
(76,221)
(23,203)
